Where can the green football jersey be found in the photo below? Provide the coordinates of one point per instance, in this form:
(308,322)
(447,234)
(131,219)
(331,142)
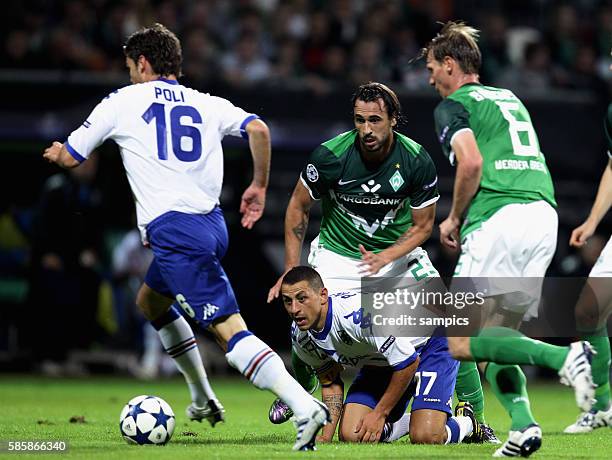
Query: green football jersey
(364,204)
(514,169)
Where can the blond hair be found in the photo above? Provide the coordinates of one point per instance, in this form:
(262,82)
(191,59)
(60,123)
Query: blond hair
(458,41)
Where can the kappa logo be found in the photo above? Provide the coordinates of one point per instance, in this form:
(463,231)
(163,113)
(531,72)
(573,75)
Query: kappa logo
(372,186)
(311,173)
(209,310)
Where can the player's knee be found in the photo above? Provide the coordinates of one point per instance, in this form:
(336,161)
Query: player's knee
(459,347)
(427,435)
(587,317)
(347,434)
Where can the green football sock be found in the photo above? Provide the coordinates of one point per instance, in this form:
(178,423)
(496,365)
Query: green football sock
(600,366)
(304,374)
(509,386)
(502,345)
(469,388)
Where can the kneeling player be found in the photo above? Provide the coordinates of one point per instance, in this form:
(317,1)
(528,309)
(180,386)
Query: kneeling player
(329,332)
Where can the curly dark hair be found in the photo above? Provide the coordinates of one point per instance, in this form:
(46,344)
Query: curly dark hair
(373,91)
(458,41)
(159,46)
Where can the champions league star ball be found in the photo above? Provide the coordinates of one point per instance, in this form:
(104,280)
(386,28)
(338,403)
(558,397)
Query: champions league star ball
(147,420)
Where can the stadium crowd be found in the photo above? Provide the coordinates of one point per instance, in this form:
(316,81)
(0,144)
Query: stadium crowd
(319,45)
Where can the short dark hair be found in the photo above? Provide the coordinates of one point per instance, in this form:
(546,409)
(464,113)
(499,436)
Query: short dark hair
(159,46)
(304,273)
(373,91)
(458,41)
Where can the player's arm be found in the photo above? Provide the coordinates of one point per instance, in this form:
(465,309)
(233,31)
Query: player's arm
(82,141)
(467,181)
(58,154)
(254,197)
(417,234)
(372,424)
(296,224)
(332,396)
(602,204)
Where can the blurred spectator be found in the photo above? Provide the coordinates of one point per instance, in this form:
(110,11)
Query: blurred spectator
(64,281)
(563,34)
(333,72)
(245,65)
(493,46)
(368,62)
(533,74)
(130,263)
(584,74)
(81,35)
(287,67)
(317,42)
(200,58)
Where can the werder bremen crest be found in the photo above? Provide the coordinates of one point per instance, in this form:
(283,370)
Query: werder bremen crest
(396,181)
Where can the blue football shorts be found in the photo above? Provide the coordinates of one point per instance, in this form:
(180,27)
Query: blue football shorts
(432,388)
(188,249)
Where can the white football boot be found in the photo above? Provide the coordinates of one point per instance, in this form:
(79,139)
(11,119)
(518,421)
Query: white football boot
(589,421)
(576,372)
(307,428)
(213,412)
(521,443)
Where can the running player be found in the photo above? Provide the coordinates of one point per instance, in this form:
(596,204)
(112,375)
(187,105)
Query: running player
(595,303)
(501,184)
(170,142)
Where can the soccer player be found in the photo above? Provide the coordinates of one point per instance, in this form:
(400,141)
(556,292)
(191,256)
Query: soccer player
(378,190)
(503,213)
(170,142)
(331,331)
(595,303)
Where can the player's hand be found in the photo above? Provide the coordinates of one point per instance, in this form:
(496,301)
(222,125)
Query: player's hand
(370,427)
(581,234)
(52,153)
(449,233)
(252,205)
(371,263)
(274,291)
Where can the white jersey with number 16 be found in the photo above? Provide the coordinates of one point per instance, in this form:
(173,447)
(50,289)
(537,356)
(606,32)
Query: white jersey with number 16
(170,142)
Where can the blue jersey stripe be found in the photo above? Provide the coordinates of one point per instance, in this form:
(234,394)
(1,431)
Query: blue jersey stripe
(74,153)
(246,121)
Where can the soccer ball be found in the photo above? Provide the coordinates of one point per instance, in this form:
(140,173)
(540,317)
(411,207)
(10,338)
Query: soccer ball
(146,420)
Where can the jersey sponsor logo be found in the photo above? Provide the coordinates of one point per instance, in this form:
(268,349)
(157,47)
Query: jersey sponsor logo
(344,182)
(371,187)
(345,337)
(358,317)
(385,346)
(350,360)
(375,200)
(396,181)
(309,346)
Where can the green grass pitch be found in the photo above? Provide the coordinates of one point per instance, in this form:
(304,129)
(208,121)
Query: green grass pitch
(36,408)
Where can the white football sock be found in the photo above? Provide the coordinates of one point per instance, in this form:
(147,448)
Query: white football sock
(457,428)
(180,344)
(399,429)
(264,368)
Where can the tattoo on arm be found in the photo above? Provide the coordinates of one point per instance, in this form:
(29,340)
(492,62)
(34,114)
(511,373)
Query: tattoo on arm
(334,404)
(404,237)
(300,230)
